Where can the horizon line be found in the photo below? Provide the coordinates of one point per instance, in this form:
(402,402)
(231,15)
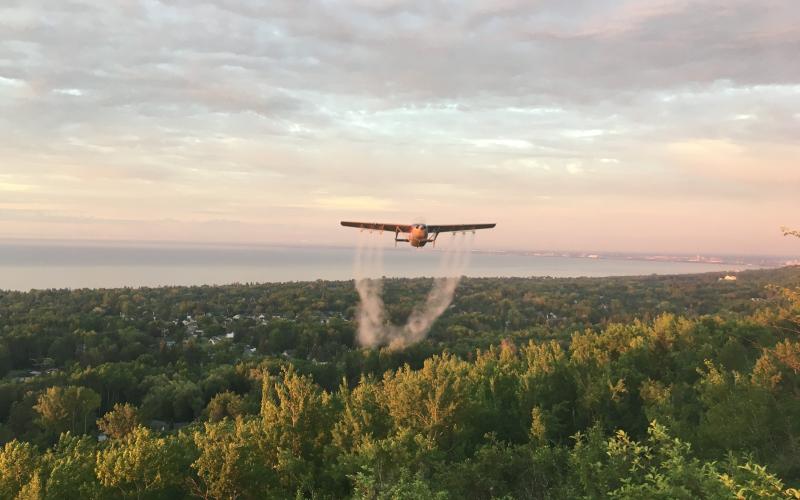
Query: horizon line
(256,244)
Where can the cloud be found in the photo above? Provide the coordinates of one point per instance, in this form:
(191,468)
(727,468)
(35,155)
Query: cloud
(766,166)
(366,204)
(249,109)
(574,169)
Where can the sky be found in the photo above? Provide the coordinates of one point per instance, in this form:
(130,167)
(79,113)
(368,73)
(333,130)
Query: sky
(652,126)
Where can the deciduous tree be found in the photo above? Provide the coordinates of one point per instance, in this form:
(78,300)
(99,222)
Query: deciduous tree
(18,464)
(119,421)
(68,408)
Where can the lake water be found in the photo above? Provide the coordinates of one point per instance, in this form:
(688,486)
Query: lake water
(27,266)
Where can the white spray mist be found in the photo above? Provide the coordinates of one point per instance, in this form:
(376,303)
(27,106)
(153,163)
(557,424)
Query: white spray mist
(369,284)
(373,329)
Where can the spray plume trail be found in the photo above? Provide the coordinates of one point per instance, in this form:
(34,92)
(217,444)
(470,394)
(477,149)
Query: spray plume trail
(373,330)
(369,285)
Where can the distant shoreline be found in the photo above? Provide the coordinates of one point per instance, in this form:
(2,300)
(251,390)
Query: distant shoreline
(740,260)
(760,260)
(25,267)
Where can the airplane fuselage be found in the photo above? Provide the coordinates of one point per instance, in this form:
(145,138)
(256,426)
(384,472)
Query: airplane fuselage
(418,236)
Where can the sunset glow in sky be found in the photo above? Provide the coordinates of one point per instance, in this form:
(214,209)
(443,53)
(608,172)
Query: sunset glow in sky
(663,126)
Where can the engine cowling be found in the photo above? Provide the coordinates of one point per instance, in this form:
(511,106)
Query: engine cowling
(418,236)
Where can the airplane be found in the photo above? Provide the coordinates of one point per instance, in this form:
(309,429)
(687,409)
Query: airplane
(419,234)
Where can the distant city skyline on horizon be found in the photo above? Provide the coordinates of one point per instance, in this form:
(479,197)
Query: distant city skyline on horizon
(632,126)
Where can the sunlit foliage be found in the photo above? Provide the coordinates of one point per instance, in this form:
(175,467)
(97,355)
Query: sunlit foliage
(673,387)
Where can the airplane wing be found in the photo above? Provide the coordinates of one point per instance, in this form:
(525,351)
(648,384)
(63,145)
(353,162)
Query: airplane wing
(379,226)
(458,227)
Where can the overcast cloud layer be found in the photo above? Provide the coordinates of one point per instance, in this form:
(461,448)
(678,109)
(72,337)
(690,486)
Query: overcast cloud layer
(596,125)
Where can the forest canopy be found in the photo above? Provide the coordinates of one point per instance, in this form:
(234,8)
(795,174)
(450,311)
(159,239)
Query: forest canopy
(640,387)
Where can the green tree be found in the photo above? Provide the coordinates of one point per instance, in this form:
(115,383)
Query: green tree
(174,400)
(405,487)
(140,464)
(297,418)
(663,467)
(737,415)
(68,408)
(432,401)
(228,464)
(377,466)
(225,404)
(362,417)
(121,420)
(5,360)
(33,490)
(18,465)
(502,470)
(70,469)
